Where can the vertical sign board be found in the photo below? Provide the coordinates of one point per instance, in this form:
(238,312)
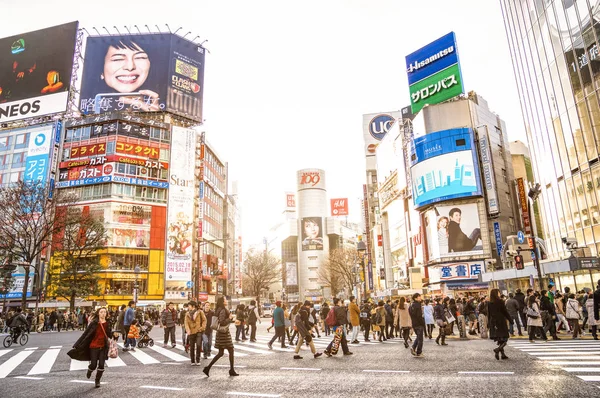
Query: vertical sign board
(367,222)
(488,173)
(370,274)
(180,221)
(37,166)
(498,236)
(339,207)
(524,208)
(434,73)
(290,201)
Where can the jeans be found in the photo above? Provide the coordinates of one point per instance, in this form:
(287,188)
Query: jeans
(239,330)
(130,342)
(252,331)
(343,343)
(355,330)
(279,332)
(430,327)
(97,359)
(125,333)
(206,343)
(418,344)
(389,329)
(183,336)
(548,323)
(195,346)
(367,326)
(515,319)
(170,332)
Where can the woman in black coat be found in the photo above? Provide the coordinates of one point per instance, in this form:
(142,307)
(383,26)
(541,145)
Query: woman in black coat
(93,344)
(223,341)
(498,317)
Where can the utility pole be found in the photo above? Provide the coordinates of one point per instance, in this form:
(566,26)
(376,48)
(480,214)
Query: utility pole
(534,193)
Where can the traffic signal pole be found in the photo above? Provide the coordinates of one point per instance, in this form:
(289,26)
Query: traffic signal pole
(536,257)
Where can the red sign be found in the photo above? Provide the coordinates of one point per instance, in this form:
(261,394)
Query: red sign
(290,200)
(151,164)
(310,178)
(88,150)
(524,205)
(78,173)
(339,207)
(137,150)
(379,240)
(202,296)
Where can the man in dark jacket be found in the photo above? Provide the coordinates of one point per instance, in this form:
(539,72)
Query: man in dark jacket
(520,297)
(127,319)
(324,312)
(365,318)
(208,332)
(341,319)
(389,320)
(418,324)
(512,306)
(457,240)
(548,314)
(168,320)
(597,305)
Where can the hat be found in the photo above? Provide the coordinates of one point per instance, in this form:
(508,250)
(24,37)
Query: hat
(278,303)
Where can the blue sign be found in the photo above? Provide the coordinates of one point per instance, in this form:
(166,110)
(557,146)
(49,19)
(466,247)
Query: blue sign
(521,237)
(201,189)
(105,179)
(370,274)
(432,58)
(37,164)
(444,166)
(498,236)
(57,131)
(189,284)
(380,125)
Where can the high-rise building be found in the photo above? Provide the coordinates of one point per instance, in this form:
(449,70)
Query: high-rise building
(555,53)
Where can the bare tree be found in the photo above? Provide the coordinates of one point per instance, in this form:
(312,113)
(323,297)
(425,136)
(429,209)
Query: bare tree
(75,266)
(27,222)
(339,269)
(7,281)
(261,270)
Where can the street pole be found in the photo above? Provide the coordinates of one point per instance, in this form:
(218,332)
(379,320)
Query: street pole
(536,259)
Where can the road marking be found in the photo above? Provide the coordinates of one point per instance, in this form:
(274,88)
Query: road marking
(172,363)
(31,348)
(227,366)
(568,357)
(309,369)
(531,349)
(564,353)
(596,370)
(13,362)
(589,378)
(115,362)
(386,371)
(86,381)
(78,365)
(169,354)
(214,351)
(56,346)
(29,378)
(250,394)
(578,363)
(141,356)
(44,364)
(486,373)
(163,388)
(5,352)
(250,349)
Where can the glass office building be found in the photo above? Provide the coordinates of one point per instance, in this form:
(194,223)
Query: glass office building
(555,50)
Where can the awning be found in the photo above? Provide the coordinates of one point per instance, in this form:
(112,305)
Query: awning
(467,285)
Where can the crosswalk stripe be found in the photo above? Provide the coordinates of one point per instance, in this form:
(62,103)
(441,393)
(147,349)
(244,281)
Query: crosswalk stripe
(2,352)
(169,354)
(213,351)
(595,370)
(13,362)
(115,362)
(556,353)
(589,378)
(250,349)
(568,357)
(571,363)
(44,364)
(558,349)
(141,356)
(78,365)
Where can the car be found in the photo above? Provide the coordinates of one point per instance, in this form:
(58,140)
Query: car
(267,311)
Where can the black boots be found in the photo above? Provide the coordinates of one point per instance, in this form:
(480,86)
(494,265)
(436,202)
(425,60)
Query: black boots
(89,373)
(99,373)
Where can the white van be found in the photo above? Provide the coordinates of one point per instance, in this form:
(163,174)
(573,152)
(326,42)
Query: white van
(267,310)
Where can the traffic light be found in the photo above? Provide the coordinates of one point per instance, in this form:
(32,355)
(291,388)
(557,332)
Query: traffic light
(519,262)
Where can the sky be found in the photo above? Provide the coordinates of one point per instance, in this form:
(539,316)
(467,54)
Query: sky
(287,82)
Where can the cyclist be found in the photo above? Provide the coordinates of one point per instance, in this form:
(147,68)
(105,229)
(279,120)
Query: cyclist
(18,324)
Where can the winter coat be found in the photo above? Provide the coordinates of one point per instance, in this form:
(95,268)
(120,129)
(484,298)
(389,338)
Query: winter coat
(573,310)
(560,307)
(279,317)
(223,339)
(416,314)
(535,321)
(520,297)
(82,345)
(438,313)
(120,326)
(301,322)
(354,312)
(498,317)
(168,318)
(382,313)
(597,304)
(428,314)
(389,315)
(512,306)
(590,309)
(195,322)
(402,317)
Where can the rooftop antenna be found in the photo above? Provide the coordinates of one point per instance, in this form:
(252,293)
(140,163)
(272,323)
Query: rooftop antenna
(186,34)
(104,27)
(147,28)
(117,30)
(168,27)
(138,29)
(96,31)
(128,31)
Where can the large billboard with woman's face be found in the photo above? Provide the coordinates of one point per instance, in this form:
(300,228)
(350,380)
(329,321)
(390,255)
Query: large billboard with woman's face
(312,233)
(35,72)
(145,73)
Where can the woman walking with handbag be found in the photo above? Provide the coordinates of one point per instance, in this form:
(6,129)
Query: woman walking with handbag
(534,319)
(574,314)
(498,319)
(220,323)
(440,319)
(94,344)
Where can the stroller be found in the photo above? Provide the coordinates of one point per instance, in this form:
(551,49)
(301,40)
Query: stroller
(145,340)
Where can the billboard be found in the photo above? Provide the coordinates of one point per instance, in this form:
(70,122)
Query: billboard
(37,165)
(444,166)
(375,128)
(434,73)
(311,178)
(339,207)
(291,274)
(35,72)
(456,271)
(143,72)
(524,201)
(489,181)
(290,201)
(312,233)
(452,231)
(180,217)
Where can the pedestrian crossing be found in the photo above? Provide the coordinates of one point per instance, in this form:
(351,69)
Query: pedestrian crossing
(37,362)
(580,358)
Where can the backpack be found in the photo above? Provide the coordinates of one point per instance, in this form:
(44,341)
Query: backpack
(252,316)
(330,320)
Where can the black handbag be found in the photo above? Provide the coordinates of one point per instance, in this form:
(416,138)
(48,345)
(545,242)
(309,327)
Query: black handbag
(79,354)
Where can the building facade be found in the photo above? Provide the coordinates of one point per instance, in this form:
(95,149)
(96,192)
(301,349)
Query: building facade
(554,48)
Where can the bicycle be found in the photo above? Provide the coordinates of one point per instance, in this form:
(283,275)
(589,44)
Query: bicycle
(16,334)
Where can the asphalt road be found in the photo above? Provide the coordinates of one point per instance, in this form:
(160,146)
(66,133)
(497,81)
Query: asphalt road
(462,369)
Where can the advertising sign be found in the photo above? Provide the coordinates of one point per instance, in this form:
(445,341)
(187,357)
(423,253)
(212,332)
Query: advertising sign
(523,199)
(370,274)
(452,231)
(143,72)
(488,173)
(375,128)
(498,236)
(311,178)
(312,233)
(78,173)
(460,271)
(290,201)
(37,164)
(434,73)
(35,72)
(339,207)
(87,150)
(180,221)
(444,167)
(291,274)
(125,237)
(141,150)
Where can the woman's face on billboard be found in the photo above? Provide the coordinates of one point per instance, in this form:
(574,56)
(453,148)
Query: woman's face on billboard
(311,229)
(125,69)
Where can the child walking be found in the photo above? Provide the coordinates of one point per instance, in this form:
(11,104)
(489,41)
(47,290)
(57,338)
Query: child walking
(134,333)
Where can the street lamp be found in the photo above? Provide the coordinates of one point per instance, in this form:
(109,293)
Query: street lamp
(534,193)
(361,248)
(136,270)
